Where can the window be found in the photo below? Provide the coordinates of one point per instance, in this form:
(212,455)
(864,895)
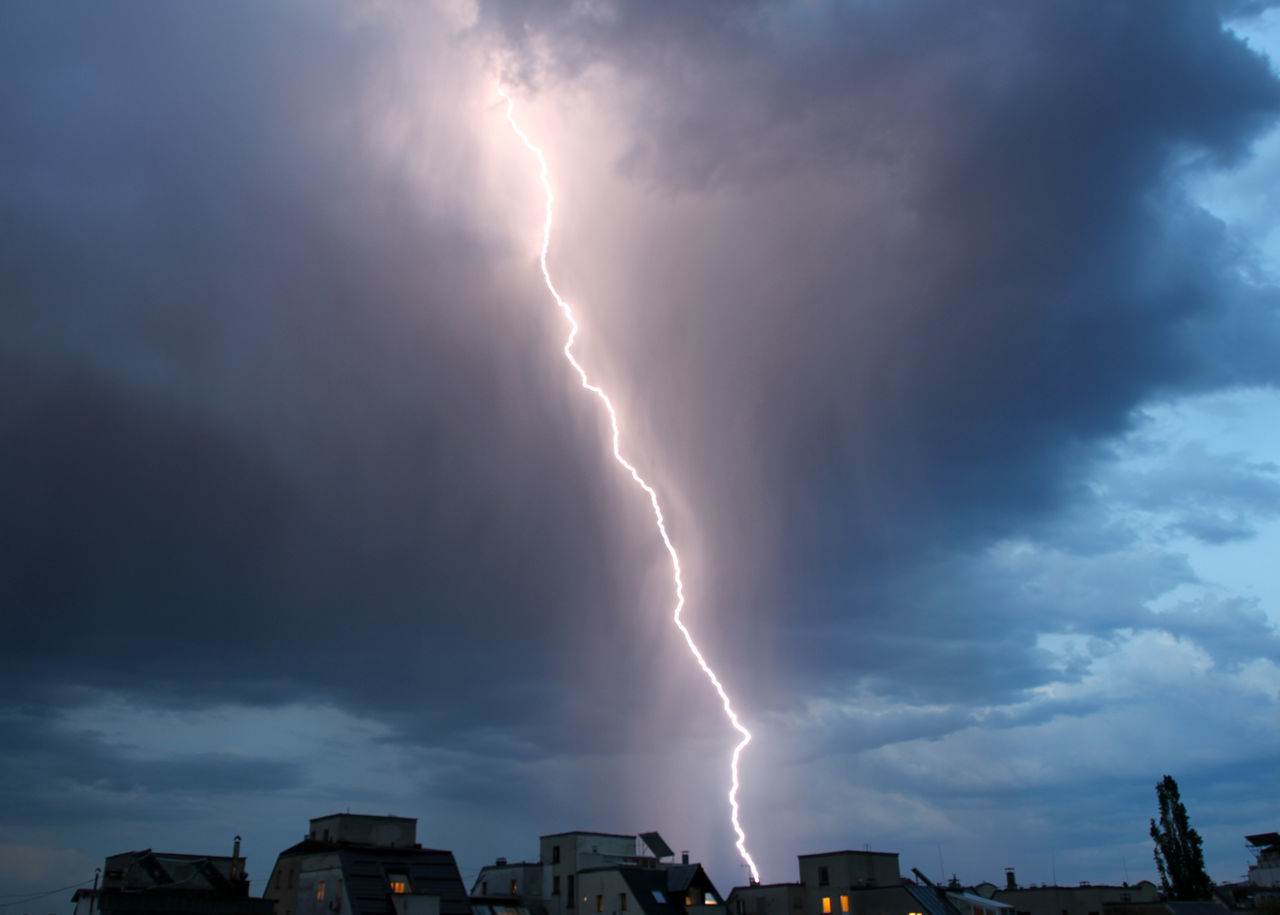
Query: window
(398,881)
(659,896)
(823,877)
(484,887)
(515,887)
(844,903)
(622,902)
(826,905)
(320,891)
(555,854)
(555,884)
(337,892)
(568,883)
(599,903)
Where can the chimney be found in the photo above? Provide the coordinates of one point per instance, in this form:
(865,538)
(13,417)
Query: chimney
(235,859)
(500,862)
(684,857)
(1009,882)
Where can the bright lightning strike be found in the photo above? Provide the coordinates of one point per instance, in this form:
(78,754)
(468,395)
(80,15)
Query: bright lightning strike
(639,480)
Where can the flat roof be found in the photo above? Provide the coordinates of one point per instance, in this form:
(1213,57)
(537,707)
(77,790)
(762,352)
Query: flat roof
(847,851)
(366,816)
(588,832)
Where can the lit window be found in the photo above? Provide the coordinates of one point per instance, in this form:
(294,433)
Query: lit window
(599,903)
(515,888)
(844,903)
(320,891)
(826,905)
(399,882)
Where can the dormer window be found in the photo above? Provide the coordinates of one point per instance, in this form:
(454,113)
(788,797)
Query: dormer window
(398,882)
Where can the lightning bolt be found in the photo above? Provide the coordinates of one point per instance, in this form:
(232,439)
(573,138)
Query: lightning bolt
(658,517)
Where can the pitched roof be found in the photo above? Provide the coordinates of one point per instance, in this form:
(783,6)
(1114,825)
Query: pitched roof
(430,871)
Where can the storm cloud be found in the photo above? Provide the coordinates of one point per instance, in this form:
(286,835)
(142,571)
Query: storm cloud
(885,294)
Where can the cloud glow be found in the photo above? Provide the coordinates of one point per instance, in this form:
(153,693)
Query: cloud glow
(649,491)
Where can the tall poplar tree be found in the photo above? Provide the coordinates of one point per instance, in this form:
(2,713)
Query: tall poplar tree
(1178,853)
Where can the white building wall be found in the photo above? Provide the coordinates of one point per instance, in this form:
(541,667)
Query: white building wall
(329,900)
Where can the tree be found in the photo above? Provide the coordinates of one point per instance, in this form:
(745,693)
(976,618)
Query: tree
(1178,853)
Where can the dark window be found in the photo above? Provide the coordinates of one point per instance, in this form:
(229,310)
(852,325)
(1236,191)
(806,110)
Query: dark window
(622,901)
(600,903)
(555,854)
(569,886)
(555,884)
(824,879)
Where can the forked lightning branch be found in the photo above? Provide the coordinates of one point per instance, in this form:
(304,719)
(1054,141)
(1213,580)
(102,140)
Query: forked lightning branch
(659,519)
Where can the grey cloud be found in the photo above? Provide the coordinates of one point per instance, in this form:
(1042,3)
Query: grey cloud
(949,382)
(901,274)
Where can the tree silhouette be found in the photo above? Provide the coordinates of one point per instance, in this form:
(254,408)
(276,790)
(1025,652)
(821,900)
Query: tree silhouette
(1178,853)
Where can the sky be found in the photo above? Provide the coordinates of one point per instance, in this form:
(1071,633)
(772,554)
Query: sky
(946,332)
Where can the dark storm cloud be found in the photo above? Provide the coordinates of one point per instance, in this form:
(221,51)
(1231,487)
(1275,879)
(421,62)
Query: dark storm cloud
(60,775)
(1001,264)
(285,423)
(253,419)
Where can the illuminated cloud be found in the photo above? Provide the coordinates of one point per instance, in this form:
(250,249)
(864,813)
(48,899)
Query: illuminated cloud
(923,304)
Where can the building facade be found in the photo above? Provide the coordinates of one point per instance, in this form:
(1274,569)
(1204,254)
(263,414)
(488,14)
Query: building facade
(149,883)
(598,873)
(352,864)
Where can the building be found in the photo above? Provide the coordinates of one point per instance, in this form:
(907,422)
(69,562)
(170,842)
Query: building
(843,883)
(1265,871)
(1085,899)
(352,864)
(593,873)
(767,899)
(149,883)
(971,903)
